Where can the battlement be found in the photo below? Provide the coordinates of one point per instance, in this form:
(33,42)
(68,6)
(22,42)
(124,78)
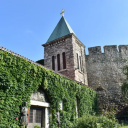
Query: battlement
(104,67)
(94,50)
(123,48)
(108,49)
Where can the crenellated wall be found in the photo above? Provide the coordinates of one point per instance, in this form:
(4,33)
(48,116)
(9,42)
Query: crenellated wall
(104,71)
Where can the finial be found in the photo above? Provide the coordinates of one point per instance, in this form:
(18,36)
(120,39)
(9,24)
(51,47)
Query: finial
(62,13)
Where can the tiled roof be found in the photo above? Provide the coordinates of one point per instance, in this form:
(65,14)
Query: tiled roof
(61,29)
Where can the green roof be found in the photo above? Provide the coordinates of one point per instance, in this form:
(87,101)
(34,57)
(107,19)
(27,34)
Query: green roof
(61,29)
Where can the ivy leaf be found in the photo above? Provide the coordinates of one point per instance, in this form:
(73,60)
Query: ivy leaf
(45,83)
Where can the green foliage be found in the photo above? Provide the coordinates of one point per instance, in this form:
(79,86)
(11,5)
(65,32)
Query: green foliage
(125,70)
(90,121)
(124,126)
(36,126)
(110,112)
(124,87)
(20,78)
(45,83)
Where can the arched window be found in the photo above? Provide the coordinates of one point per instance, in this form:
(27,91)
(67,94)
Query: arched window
(53,62)
(64,60)
(77,61)
(58,61)
(80,63)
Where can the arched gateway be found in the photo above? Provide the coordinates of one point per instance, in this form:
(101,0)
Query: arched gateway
(39,110)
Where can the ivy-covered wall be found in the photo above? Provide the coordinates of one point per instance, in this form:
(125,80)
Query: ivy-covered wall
(19,78)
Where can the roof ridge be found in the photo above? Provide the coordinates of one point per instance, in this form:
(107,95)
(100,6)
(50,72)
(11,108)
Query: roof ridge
(69,27)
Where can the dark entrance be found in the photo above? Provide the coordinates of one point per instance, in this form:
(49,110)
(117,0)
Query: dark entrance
(36,116)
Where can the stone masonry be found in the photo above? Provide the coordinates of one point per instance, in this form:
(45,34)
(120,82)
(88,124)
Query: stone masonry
(71,46)
(105,73)
(101,71)
(79,49)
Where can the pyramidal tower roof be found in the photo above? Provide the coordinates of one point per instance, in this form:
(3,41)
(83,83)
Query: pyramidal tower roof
(61,29)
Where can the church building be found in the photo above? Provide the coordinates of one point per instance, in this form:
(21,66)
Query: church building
(102,71)
(65,53)
(64,85)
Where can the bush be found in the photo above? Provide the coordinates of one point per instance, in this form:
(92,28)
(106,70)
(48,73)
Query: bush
(36,126)
(96,122)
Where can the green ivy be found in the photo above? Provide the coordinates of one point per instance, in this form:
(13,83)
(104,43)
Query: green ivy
(19,78)
(124,87)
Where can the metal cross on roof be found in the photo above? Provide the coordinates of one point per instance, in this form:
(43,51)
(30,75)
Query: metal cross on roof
(62,13)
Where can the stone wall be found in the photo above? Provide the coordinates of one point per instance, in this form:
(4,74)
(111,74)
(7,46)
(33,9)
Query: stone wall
(71,46)
(105,73)
(59,47)
(80,72)
(39,95)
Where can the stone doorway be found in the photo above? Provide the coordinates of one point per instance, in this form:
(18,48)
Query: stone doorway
(36,116)
(39,110)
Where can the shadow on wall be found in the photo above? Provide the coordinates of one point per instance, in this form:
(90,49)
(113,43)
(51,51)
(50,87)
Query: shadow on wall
(123,115)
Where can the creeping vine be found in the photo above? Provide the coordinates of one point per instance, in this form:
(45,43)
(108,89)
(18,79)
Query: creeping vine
(19,78)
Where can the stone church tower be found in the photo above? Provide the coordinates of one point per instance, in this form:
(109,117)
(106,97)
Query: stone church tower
(65,53)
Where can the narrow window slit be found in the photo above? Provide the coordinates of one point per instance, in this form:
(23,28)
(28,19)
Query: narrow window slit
(58,61)
(53,62)
(77,61)
(64,60)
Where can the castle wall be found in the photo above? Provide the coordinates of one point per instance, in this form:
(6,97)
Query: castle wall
(105,73)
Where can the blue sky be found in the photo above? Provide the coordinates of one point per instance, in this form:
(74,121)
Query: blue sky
(27,24)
